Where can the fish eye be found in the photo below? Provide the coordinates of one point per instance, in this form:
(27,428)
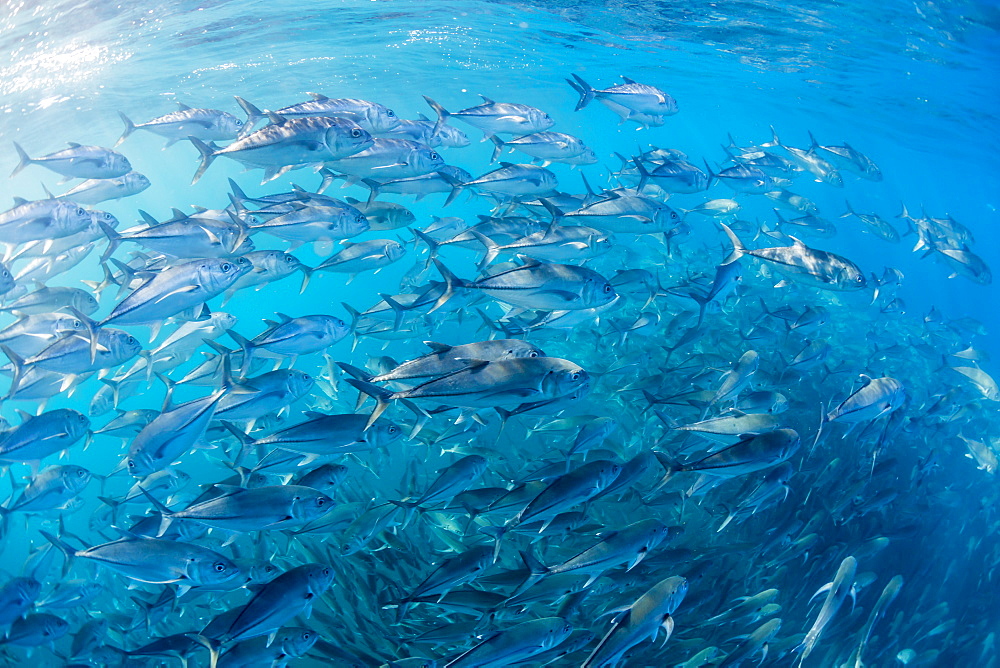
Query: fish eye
(326,571)
(320,501)
(226,267)
(607,288)
(81,473)
(435,156)
(131,463)
(533,354)
(355,132)
(392,429)
(239,123)
(390,113)
(575,375)
(80,211)
(220,567)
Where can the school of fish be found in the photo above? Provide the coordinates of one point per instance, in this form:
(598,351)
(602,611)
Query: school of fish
(617,425)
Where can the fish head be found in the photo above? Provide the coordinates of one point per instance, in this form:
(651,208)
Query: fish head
(122,345)
(75,478)
(117,163)
(345,138)
(228,125)
(299,382)
(519,349)
(585,157)
(381,118)
(383,432)
(135,182)
(536,120)
(450,137)
(215,570)
(98,218)
(335,328)
(426,160)
(307,507)
(348,223)
(666,215)
(69,218)
(394,251)
(563,379)
(296,641)
(84,302)
(140,465)
(319,576)
(851,278)
(597,291)
(217,275)
(6,279)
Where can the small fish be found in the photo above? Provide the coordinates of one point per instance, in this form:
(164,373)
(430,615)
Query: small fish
(78,162)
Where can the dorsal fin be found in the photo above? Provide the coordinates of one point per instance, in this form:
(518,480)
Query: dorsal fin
(627,80)
(284,317)
(182,107)
(18,201)
(437,347)
(421,117)
(507,164)
(319,97)
(73,144)
(486,99)
(277,119)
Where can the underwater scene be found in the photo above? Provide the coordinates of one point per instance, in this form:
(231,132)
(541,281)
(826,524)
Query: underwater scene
(583,333)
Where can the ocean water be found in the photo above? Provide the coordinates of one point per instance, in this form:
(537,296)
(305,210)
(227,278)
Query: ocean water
(911,85)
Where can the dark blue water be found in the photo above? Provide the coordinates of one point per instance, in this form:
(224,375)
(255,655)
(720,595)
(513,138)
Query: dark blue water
(912,85)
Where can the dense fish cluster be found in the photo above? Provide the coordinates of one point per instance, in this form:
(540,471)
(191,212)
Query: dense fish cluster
(647,424)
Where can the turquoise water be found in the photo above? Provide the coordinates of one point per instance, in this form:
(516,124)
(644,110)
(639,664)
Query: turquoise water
(910,85)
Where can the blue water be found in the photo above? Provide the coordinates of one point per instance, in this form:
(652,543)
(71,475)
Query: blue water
(912,85)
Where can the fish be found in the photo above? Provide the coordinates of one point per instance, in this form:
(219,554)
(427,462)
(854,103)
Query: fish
(642,620)
(287,143)
(803,264)
(78,162)
(497,117)
(634,97)
(204,124)
(95,191)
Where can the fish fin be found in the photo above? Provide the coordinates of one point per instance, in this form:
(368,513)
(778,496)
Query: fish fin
(23,158)
(129,129)
(207,151)
(585,90)
(381,395)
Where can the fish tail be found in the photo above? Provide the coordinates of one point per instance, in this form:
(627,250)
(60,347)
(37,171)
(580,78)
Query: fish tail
(398,310)
(451,282)
(492,250)
(237,195)
(24,160)
(129,129)
(63,547)
(499,143)
(355,372)
(166,515)
(441,112)
(711,175)
(253,114)
(497,534)
(373,187)
(114,241)
(585,90)
(246,441)
(850,210)
(643,174)
(17,362)
(207,152)
(211,644)
(307,273)
(381,396)
(246,346)
(432,244)
(738,247)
